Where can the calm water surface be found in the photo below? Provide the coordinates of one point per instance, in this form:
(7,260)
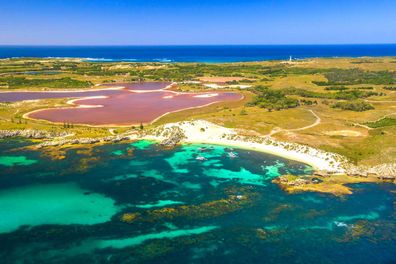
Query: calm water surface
(126,106)
(138,203)
(198,53)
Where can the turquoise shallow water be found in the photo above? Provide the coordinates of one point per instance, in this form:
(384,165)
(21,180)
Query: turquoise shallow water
(9,161)
(62,204)
(192,204)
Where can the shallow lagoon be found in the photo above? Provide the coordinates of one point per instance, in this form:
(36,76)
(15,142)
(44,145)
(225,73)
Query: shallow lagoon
(227,209)
(127,104)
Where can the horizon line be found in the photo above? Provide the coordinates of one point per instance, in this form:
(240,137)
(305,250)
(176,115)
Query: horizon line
(184,45)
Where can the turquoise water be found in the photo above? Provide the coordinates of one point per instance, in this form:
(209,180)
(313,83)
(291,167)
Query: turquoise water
(10,161)
(139,203)
(61,204)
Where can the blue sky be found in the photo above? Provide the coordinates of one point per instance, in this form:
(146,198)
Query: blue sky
(170,22)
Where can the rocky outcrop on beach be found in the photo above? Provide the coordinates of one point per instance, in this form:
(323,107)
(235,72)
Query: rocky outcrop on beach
(326,163)
(386,171)
(30,133)
(201,131)
(171,136)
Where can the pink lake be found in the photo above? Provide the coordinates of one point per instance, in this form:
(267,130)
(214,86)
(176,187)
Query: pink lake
(119,104)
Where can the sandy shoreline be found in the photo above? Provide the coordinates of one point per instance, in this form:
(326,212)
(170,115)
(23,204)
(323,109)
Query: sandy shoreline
(201,131)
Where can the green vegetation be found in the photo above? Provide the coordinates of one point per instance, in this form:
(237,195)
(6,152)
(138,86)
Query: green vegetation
(364,88)
(272,99)
(22,82)
(336,88)
(340,95)
(390,88)
(384,122)
(357,106)
(357,76)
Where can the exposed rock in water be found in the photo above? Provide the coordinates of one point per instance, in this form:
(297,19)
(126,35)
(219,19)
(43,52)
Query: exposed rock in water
(295,181)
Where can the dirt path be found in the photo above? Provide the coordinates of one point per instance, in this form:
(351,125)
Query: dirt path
(369,128)
(317,122)
(373,101)
(112,131)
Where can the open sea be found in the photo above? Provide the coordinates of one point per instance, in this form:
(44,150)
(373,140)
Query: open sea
(210,54)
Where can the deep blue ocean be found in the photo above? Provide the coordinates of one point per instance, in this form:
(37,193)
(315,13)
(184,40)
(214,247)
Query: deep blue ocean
(198,53)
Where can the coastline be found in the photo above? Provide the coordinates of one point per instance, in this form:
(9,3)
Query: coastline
(201,131)
(332,173)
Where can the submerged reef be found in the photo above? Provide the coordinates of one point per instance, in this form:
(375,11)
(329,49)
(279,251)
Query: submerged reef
(241,198)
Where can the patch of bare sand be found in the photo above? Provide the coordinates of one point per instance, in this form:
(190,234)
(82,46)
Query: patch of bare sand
(344,133)
(218,79)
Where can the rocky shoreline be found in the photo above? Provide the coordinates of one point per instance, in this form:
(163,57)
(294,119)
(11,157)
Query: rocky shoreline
(171,135)
(109,139)
(31,133)
(385,171)
(52,139)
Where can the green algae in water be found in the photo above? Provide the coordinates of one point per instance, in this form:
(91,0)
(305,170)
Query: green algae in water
(61,204)
(10,161)
(160,203)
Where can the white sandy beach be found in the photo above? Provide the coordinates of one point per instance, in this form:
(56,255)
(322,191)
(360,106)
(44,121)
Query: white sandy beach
(201,131)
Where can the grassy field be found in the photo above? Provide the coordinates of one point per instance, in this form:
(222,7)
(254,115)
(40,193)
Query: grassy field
(326,88)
